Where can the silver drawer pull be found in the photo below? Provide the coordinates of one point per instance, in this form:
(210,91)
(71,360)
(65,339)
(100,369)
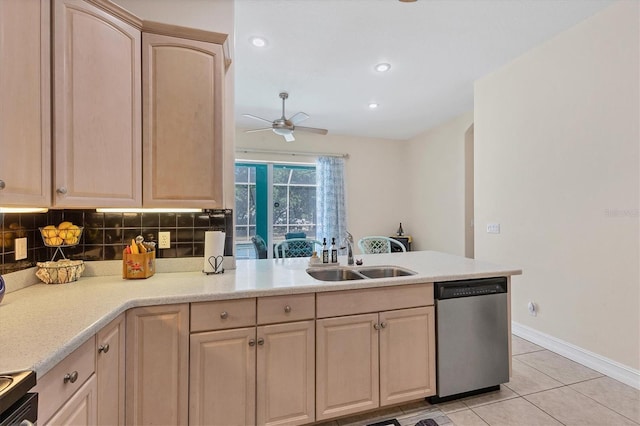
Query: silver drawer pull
(62,190)
(103,348)
(2,184)
(224,315)
(287,308)
(383,324)
(376,326)
(70,377)
(252,342)
(261,341)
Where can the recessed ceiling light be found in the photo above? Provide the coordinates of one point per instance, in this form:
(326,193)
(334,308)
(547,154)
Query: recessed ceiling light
(258,41)
(373,105)
(383,67)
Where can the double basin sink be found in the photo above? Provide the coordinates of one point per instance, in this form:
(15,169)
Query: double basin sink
(341,273)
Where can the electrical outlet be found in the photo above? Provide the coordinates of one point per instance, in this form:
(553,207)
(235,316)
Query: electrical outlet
(164,240)
(21,248)
(493,228)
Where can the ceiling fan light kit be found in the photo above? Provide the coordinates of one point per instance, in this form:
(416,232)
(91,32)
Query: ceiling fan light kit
(285,126)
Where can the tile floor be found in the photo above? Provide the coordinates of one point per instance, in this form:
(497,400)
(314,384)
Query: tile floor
(545,389)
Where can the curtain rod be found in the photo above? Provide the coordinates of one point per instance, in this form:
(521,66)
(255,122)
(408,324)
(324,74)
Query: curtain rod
(292,153)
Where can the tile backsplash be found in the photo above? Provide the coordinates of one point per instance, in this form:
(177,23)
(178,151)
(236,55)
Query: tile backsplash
(106,234)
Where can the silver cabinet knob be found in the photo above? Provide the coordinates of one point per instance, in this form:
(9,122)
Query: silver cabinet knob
(261,341)
(103,348)
(70,377)
(383,324)
(224,314)
(2,184)
(376,326)
(252,342)
(287,308)
(62,190)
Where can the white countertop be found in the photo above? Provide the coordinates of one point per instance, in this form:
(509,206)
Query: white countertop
(42,324)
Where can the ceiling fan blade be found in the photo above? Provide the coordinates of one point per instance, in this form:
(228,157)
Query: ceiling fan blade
(257,118)
(312,130)
(258,130)
(289,137)
(298,118)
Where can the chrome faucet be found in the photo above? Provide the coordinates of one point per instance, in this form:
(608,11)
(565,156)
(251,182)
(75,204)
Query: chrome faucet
(348,240)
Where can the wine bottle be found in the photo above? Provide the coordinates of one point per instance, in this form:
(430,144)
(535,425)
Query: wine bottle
(400,231)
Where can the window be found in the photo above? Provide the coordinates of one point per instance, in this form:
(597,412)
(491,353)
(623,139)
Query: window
(271,201)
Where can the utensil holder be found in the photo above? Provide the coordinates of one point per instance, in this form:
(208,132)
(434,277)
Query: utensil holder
(139,265)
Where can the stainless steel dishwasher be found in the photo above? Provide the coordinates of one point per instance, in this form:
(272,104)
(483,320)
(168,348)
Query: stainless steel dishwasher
(472,336)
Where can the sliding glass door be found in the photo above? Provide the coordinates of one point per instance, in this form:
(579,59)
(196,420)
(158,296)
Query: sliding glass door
(273,200)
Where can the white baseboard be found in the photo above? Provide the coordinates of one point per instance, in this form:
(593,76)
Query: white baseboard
(606,366)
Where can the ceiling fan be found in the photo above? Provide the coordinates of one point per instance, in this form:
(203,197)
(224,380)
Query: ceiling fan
(285,126)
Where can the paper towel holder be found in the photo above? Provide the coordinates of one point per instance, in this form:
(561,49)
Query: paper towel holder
(216,264)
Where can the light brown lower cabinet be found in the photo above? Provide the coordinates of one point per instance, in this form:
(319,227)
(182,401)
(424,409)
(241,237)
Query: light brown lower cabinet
(255,375)
(286,374)
(110,372)
(157,365)
(81,408)
(372,360)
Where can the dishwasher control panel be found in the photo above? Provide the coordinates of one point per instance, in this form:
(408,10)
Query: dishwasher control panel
(479,287)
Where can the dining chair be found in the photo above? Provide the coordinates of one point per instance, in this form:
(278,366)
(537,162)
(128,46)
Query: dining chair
(260,246)
(297,247)
(378,244)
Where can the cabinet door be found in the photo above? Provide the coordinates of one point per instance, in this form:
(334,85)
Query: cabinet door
(407,355)
(157,365)
(346,365)
(97,108)
(80,409)
(110,372)
(222,377)
(25,127)
(286,374)
(182,107)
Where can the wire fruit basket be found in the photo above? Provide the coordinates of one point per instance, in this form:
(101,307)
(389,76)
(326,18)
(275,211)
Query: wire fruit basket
(60,272)
(64,270)
(64,235)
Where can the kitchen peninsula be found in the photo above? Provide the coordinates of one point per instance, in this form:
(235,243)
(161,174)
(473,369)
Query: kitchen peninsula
(43,325)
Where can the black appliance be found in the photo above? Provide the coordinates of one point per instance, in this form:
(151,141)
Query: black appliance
(18,406)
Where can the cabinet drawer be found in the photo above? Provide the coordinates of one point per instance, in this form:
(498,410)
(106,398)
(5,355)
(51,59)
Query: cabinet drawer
(222,314)
(349,302)
(289,308)
(52,389)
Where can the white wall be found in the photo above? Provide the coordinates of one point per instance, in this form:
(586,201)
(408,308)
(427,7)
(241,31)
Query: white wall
(557,165)
(376,177)
(435,177)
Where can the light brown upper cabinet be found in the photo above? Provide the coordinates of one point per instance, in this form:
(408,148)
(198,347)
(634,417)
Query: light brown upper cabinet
(25,125)
(97,108)
(183,102)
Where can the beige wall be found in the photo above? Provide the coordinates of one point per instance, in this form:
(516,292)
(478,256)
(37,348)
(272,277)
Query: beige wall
(210,15)
(376,177)
(435,178)
(557,165)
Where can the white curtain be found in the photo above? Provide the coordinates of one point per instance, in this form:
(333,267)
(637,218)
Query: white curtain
(330,200)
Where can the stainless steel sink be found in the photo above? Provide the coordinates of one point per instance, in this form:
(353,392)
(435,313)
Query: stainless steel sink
(346,274)
(334,274)
(385,272)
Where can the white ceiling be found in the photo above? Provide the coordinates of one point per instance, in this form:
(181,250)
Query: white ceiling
(323,52)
